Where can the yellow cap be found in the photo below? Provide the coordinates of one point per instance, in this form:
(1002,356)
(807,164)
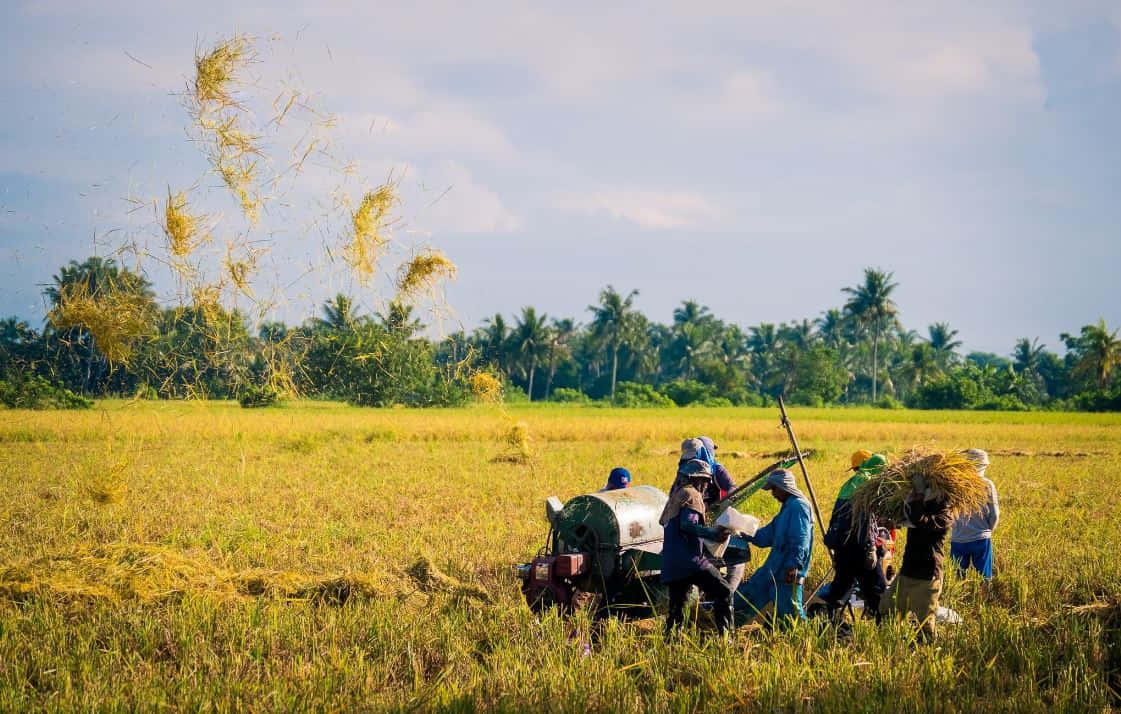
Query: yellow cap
(859,457)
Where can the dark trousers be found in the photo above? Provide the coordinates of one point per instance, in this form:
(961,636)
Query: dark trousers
(850,569)
(713,586)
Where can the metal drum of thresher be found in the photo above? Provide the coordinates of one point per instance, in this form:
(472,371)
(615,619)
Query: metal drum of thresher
(618,530)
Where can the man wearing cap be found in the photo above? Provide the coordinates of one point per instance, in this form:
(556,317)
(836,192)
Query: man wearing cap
(617,479)
(855,559)
(790,538)
(684,563)
(971,542)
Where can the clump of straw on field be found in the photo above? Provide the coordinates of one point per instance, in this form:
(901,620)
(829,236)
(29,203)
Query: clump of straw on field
(429,579)
(147,573)
(423,272)
(486,387)
(368,225)
(947,474)
(115,319)
(517,438)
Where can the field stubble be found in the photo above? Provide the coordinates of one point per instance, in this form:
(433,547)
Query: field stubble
(195,555)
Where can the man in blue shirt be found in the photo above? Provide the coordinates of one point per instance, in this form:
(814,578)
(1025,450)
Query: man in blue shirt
(684,563)
(790,537)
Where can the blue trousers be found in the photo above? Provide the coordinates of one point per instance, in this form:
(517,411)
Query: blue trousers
(762,588)
(977,554)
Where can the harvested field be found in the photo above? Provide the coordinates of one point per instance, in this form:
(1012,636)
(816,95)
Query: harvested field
(317,556)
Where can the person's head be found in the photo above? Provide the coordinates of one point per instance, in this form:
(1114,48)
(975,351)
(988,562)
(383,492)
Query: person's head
(859,457)
(696,472)
(619,478)
(710,447)
(781,484)
(874,464)
(979,457)
(691,449)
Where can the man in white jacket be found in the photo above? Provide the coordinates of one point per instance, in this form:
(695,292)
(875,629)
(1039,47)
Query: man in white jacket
(971,542)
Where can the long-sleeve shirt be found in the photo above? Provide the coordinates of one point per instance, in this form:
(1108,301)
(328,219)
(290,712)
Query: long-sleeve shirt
(926,539)
(790,538)
(682,549)
(979,525)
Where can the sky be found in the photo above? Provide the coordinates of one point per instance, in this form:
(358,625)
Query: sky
(755,157)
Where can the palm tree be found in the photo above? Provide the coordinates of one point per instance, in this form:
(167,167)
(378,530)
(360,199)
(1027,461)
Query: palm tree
(920,365)
(830,327)
(1027,355)
(559,335)
(942,341)
(399,319)
(1100,352)
(870,304)
(494,338)
(338,313)
(691,312)
(612,321)
(530,338)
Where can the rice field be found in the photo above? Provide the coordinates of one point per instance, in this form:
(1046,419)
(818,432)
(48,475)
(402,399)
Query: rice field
(199,556)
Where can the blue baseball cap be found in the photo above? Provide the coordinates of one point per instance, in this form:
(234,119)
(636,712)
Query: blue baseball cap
(619,478)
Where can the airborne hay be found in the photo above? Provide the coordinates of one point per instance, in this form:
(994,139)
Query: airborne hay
(950,474)
(220,68)
(180,226)
(486,387)
(368,224)
(423,272)
(115,319)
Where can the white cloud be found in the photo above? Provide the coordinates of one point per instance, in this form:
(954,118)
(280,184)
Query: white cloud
(647,208)
(454,202)
(433,129)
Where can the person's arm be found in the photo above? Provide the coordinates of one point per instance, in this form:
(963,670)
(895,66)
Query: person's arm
(765,536)
(691,522)
(722,478)
(992,516)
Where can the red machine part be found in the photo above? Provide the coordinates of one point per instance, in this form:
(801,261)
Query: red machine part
(546,583)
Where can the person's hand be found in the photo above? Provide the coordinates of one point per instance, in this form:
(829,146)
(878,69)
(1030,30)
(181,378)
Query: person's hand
(791,576)
(724,532)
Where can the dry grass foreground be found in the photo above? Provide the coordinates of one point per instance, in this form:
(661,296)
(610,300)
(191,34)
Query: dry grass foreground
(198,556)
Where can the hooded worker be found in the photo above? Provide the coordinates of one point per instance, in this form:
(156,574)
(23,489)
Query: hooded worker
(704,449)
(790,538)
(684,563)
(855,559)
(971,541)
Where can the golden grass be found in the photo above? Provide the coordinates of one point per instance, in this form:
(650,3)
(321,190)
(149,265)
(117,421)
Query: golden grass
(222,488)
(217,71)
(115,319)
(423,273)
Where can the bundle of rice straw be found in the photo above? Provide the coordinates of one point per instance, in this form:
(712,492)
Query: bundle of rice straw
(486,387)
(423,273)
(115,319)
(950,474)
(369,223)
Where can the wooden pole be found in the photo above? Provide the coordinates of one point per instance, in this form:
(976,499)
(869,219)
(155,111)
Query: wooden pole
(801,463)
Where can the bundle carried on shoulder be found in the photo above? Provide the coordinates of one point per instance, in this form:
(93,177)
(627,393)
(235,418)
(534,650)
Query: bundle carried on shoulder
(950,475)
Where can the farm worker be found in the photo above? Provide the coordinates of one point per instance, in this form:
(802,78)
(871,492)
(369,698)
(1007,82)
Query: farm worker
(617,479)
(919,585)
(971,542)
(855,558)
(684,563)
(790,538)
(722,484)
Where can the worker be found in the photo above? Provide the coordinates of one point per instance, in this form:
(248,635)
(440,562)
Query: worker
(617,479)
(855,556)
(790,538)
(919,585)
(703,447)
(684,563)
(971,541)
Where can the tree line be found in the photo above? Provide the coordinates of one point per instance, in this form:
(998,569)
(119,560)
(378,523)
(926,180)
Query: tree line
(858,352)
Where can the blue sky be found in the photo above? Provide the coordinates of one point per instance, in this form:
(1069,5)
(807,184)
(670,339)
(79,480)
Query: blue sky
(750,157)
